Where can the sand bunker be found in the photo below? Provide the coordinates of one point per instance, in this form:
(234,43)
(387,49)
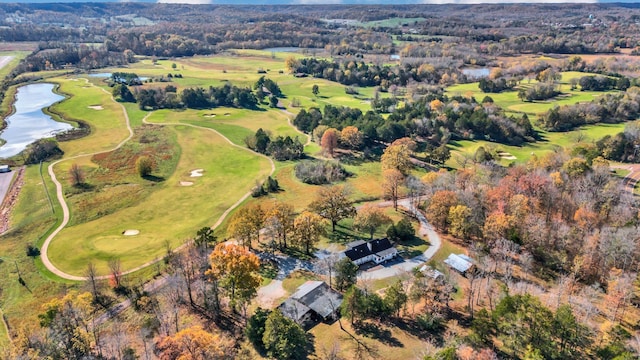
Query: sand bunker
(186,183)
(209,115)
(130,232)
(95,107)
(506,155)
(227,114)
(196,172)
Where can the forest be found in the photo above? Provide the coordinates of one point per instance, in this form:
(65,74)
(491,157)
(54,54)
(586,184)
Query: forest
(226,160)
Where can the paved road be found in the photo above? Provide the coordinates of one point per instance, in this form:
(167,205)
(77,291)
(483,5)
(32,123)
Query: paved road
(396,269)
(5,60)
(632,177)
(5,181)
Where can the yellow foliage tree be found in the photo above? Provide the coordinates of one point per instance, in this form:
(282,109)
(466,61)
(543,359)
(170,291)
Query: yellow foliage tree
(193,343)
(308,227)
(398,155)
(391,181)
(236,270)
(370,218)
(459,217)
(351,137)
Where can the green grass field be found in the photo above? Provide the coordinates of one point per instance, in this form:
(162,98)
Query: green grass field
(172,213)
(509,101)
(31,220)
(107,125)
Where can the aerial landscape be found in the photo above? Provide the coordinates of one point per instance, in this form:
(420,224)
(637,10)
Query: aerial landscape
(319,180)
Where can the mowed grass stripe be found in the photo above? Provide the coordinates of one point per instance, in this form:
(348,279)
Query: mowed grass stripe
(173,213)
(107,125)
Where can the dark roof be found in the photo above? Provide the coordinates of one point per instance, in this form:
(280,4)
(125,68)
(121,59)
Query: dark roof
(294,310)
(318,297)
(365,249)
(313,296)
(384,253)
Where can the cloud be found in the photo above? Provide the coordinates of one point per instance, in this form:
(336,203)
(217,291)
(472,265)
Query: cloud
(198,2)
(436,2)
(317,2)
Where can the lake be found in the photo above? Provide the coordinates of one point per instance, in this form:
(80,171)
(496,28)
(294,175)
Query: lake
(476,73)
(283,49)
(28,123)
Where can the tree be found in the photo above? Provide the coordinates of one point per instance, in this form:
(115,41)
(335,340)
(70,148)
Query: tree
(291,63)
(76,175)
(283,338)
(438,209)
(193,343)
(174,66)
(308,227)
(115,273)
(353,304)
(273,101)
(391,181)
(315,90)
(236,269)
(351,137)
(69,333)
(121,92)
(205,237)
(255,327)
(395,298)
(329,141)
(398,155)
(369,218)
(346,274)
(145,166)
(246,223)
(333,204)
(459,219)
(402,231)
(280,221)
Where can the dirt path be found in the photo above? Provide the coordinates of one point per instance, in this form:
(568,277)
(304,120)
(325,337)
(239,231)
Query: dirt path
(632,177)
(10,196)
(5,60)
(289,116)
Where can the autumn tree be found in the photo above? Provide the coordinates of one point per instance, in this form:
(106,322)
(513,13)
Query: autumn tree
(236,269)
(351,137)
(333,204)
(459,221)
(398,155)
(193,343)
(329,141)
(438,208)
(246,223)
(369,218)
(68,329)
(392,179)
(291,63)
(283,338)
(76,175)
(280,221)
(308,227)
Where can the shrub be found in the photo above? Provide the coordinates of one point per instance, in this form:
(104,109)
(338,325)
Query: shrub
(32,251)
(318,173)
(144,165)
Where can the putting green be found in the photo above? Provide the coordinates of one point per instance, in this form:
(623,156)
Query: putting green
(172,213)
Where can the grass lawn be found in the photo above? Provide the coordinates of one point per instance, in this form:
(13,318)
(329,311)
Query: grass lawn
(233,123)
(385,341)
(107,125)
(30,220)
(172,213)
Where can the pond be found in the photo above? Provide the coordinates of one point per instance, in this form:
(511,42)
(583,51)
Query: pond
(108,75)
(283,49)
(476,72)
(28,123)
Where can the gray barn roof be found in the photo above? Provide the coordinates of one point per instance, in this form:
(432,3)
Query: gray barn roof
(317,296)
(461,263)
